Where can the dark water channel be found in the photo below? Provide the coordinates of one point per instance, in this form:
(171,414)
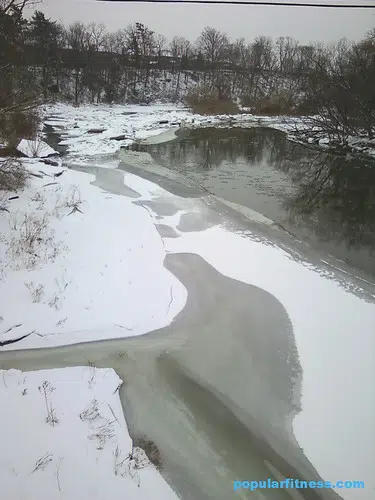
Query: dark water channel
(325,200)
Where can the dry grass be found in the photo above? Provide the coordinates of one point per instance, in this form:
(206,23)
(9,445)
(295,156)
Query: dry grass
(33,242)
(91,412)
(151,450)
(36,291)
(42,462)
(206,102)
(12,175)
(103,433)
(47,389)
(72,200)
(273,105)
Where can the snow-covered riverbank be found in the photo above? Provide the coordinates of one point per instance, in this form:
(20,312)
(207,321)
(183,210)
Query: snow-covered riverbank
(64,436)
(101,129)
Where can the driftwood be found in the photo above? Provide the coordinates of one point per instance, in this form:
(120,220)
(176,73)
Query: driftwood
(50,162)
(75,209)
(96,130)
(122,137)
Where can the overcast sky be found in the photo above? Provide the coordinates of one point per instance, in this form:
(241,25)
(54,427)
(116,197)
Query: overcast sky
(305,24)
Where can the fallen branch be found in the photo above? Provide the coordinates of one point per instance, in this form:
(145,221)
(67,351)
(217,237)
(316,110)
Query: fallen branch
(11,328)
(13,341)
(75,209)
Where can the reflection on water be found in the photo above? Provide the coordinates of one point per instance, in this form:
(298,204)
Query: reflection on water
(324,199)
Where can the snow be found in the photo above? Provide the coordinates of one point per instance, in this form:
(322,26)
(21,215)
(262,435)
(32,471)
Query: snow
(35,149)
(79,453)
(324,141)
(97,271)
(334,335)
(138,123)
(134,121)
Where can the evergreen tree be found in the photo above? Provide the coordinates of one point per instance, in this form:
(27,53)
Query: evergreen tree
(44,36)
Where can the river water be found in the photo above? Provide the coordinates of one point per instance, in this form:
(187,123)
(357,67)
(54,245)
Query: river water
(325,200)
(217,390)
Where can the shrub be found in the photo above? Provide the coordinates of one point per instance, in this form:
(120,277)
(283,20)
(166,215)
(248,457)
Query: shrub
(12,174)
(204,101)
(277,104)
(32,242)
(19,125)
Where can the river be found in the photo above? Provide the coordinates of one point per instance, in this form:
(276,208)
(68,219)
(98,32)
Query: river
(325,200)
(218,389)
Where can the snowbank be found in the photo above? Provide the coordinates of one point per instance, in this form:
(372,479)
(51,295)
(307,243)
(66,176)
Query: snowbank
(35,149)
(81,261)
(63,436)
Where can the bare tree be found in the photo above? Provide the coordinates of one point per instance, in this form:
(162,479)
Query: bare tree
(213,44)
(6,6)
(114,42)
(260,67)
(286,49)
(96,36)
(180,47)
(160,44)
(78,39)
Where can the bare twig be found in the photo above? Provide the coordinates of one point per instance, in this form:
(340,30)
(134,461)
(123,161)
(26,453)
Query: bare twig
(12,327)
(75,209)
(58,473)
(46,389)
(42,462)
(113,413)
(91,412)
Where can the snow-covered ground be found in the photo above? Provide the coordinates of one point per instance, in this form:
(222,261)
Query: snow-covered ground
(83,262)
(63,435)
(90,129)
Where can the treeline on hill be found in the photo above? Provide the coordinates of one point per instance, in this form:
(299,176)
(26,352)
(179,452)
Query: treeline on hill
(84,63)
